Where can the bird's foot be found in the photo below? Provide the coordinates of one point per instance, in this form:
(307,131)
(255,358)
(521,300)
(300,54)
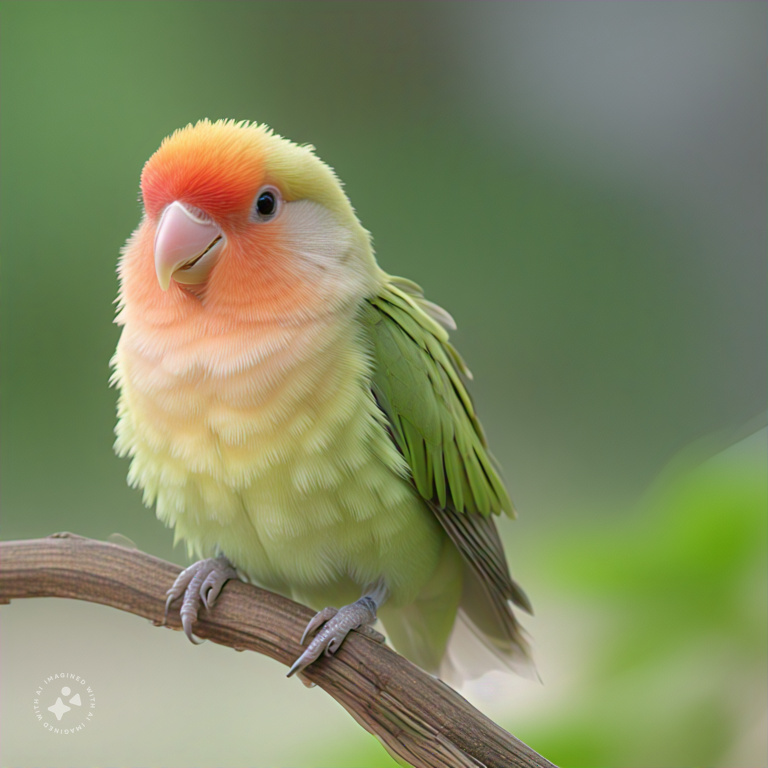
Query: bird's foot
(336,625)
(200,583)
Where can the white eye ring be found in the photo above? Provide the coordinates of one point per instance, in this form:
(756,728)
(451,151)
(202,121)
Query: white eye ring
(267,204)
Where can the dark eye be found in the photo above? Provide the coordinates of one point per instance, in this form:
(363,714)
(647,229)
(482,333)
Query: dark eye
(267,204)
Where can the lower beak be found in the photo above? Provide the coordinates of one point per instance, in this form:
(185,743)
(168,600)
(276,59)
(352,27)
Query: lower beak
(187,245)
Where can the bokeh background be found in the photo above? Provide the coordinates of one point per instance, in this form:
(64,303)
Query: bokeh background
(583,186)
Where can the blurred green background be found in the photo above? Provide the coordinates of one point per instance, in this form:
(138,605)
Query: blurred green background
(583,186)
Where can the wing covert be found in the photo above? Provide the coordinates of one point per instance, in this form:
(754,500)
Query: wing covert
(417,382)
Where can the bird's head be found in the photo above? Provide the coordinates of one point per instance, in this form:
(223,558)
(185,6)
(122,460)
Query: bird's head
(236,215)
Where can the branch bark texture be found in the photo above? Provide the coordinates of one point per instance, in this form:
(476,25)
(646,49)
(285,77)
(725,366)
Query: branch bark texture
(419,719)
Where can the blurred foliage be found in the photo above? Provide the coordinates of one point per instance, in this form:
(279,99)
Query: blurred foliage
(679,621)
(582,185)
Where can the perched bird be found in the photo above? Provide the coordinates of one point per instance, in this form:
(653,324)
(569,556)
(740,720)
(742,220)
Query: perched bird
(298,415)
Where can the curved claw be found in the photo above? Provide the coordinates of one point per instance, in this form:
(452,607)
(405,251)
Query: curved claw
(200,583)
(188,618)
(306,658)
(337,625)
(190,607)
(179,587)
(211,587)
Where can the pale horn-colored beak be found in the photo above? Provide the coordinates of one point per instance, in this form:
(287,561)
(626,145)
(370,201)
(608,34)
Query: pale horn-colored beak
(186,246)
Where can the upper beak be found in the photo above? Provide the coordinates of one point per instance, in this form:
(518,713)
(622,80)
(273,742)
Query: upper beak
(186,246)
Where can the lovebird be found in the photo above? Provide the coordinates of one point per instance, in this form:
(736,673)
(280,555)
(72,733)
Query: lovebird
(299,416)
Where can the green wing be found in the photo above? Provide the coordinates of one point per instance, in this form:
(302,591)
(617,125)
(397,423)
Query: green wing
(418,384)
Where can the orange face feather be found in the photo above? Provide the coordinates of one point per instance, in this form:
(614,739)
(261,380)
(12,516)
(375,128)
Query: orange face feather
(212,166)
(216,171)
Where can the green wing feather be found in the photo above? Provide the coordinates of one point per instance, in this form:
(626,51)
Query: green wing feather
(418,384)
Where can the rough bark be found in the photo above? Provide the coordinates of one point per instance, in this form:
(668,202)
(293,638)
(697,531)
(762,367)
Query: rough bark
(419,719)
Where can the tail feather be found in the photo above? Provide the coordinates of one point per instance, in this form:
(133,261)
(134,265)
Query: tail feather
(485,636)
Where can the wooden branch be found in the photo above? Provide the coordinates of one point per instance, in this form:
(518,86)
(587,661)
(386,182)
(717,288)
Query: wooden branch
(418,718)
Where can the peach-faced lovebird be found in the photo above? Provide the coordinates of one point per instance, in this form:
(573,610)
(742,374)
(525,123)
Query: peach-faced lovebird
(298,415)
